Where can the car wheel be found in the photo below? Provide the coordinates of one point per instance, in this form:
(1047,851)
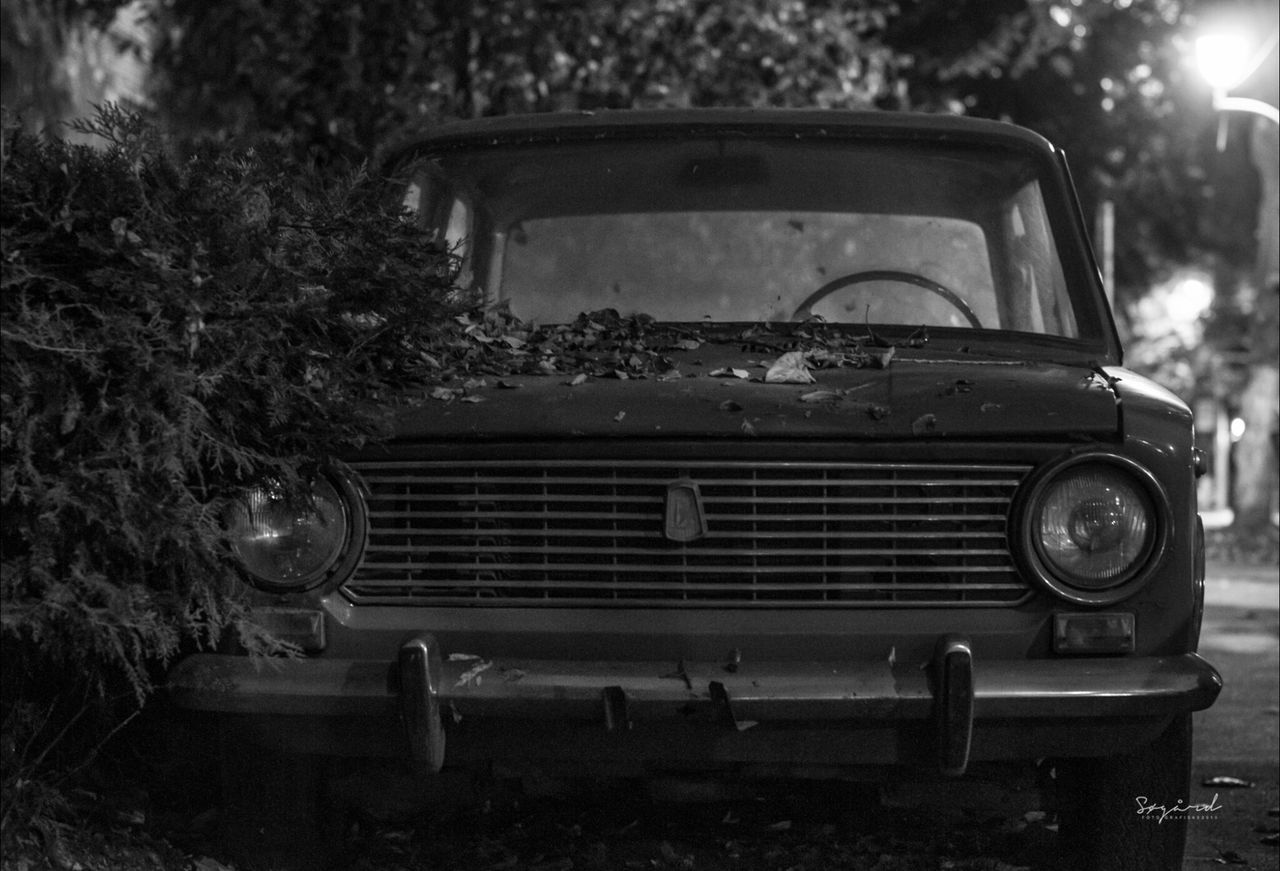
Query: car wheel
(1100,827)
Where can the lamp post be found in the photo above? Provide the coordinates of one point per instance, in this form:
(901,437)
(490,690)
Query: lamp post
(1226,61)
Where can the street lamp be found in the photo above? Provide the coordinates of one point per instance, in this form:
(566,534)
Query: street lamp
(1225,62)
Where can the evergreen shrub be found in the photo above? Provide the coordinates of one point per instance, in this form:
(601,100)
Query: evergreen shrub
(174,328)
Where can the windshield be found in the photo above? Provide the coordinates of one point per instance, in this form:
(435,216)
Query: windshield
(740,229)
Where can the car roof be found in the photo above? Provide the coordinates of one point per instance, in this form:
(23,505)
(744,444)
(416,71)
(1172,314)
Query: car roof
(802,123)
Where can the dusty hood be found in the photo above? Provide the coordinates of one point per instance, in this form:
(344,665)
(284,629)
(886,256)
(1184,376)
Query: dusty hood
(917,395)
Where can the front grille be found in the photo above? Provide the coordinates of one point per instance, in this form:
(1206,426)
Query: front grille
(591,533)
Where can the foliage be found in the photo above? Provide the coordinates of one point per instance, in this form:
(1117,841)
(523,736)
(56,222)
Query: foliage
(1107,82)
(171,331)
(336,78)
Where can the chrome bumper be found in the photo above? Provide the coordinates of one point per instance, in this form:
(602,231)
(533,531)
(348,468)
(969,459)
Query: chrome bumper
(951,693)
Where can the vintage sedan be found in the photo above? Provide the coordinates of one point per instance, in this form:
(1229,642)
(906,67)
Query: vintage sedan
(814,455)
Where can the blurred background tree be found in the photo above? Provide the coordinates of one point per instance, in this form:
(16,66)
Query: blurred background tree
(1111,81)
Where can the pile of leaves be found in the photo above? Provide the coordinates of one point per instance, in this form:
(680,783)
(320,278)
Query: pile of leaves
(605,344)
(173,328)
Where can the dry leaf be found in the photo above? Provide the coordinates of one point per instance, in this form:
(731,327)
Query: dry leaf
(880,357)
(821,396)
(1228,782)
(444,394)
(924,423)
(790,368)
(472,675)
(580,378)
(727,372)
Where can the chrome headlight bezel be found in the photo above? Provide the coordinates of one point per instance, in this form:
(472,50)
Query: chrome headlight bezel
(334,553)
(1136,484)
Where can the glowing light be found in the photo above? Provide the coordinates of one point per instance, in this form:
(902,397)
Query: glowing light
(1237,429)
(1225,60)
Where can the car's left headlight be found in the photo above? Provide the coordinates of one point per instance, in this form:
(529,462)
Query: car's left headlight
(1093,526)
(288,541)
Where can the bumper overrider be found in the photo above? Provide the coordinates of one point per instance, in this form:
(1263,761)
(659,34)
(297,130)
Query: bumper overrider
(941,714)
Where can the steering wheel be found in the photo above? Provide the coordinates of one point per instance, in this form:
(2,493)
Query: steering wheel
(803,312)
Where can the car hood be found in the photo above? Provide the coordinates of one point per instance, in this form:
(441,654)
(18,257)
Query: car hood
(915,396)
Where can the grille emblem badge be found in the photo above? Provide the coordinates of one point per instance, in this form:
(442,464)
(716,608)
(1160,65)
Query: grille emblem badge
(685,519)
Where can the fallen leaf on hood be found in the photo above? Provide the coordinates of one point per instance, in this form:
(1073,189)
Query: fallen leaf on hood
(472,399)
(924,423)
(790,368)
(821,396)
(444,394)
(473,383)
(508,385)
(617,418)
(687,345)
(204,863)
(727,372)
(580,378)
(880,357)
(875,412)
(747,427)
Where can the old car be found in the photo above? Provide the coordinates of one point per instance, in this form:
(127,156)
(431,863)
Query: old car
(815,457)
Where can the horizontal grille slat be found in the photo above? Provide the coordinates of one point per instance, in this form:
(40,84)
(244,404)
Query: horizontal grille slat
(747,589)
(702,553)
(591,533)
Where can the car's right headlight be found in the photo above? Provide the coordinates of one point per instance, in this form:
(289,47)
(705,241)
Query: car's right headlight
(289,541)
(1093,526)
